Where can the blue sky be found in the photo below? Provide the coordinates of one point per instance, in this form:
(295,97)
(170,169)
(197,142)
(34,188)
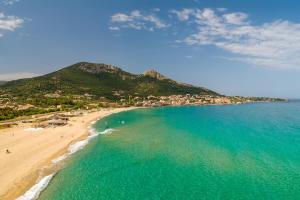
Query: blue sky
(248,48)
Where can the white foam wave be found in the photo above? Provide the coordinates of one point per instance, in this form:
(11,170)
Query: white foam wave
(77,146)
(81,144)
(34,191)
(93,133)
(107,131)
(59,159)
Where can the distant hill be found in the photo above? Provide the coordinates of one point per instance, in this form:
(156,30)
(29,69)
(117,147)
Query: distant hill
(2,82)
(100,80)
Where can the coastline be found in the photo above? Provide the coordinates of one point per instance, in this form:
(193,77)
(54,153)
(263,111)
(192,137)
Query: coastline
(14,186)
(43,150)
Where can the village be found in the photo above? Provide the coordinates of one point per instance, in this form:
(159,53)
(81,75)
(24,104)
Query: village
(180,100)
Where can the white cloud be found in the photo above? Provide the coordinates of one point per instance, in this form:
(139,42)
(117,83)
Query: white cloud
(15,76)
(274,44)
(9,23)
(235,18)
(120,17)
(137,20)
(114,28)
(184,14)
(9,2)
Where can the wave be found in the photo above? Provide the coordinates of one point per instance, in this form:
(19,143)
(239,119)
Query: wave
(77,146)
(107,131)
(35,191)
(59,159)
(73,148)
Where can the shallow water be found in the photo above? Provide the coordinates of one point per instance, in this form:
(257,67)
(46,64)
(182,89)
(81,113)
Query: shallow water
(207,152)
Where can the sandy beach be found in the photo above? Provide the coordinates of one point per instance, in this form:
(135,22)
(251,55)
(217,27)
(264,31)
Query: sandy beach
(32,150)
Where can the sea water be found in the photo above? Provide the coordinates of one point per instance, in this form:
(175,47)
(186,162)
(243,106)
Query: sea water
(249,151)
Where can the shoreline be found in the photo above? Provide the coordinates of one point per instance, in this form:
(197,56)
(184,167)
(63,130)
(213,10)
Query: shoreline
(16,180)
(46,166)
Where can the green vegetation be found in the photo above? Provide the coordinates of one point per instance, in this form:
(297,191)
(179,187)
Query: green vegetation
(88,85)
(10,113)
(84,86)
(98,80)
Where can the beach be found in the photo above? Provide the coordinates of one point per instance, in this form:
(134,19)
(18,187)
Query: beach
(27,153)
(188,152)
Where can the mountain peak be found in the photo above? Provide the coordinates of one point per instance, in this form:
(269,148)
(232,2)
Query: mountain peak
(154,74)
(94,68)
(100,80)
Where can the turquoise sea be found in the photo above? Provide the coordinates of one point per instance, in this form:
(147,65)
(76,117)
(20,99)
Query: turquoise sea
(249,151)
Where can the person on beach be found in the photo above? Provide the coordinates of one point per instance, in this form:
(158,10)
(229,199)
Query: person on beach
(7,151)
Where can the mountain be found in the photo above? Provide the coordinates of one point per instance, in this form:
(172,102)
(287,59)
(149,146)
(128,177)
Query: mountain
(154,74)
(100,80)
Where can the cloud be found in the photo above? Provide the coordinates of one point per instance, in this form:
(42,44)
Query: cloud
(184,14)
(9,2)
(137,20)
(114,28)
(9,23)
(235,18)
(15,76)
(274,44)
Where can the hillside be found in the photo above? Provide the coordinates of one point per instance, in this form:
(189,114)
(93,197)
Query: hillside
(2,82)
(92,86)
(100,80)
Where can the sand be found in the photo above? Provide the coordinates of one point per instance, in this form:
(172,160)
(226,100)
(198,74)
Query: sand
(32,150)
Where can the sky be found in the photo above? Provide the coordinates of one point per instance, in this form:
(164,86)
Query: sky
(235,47)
